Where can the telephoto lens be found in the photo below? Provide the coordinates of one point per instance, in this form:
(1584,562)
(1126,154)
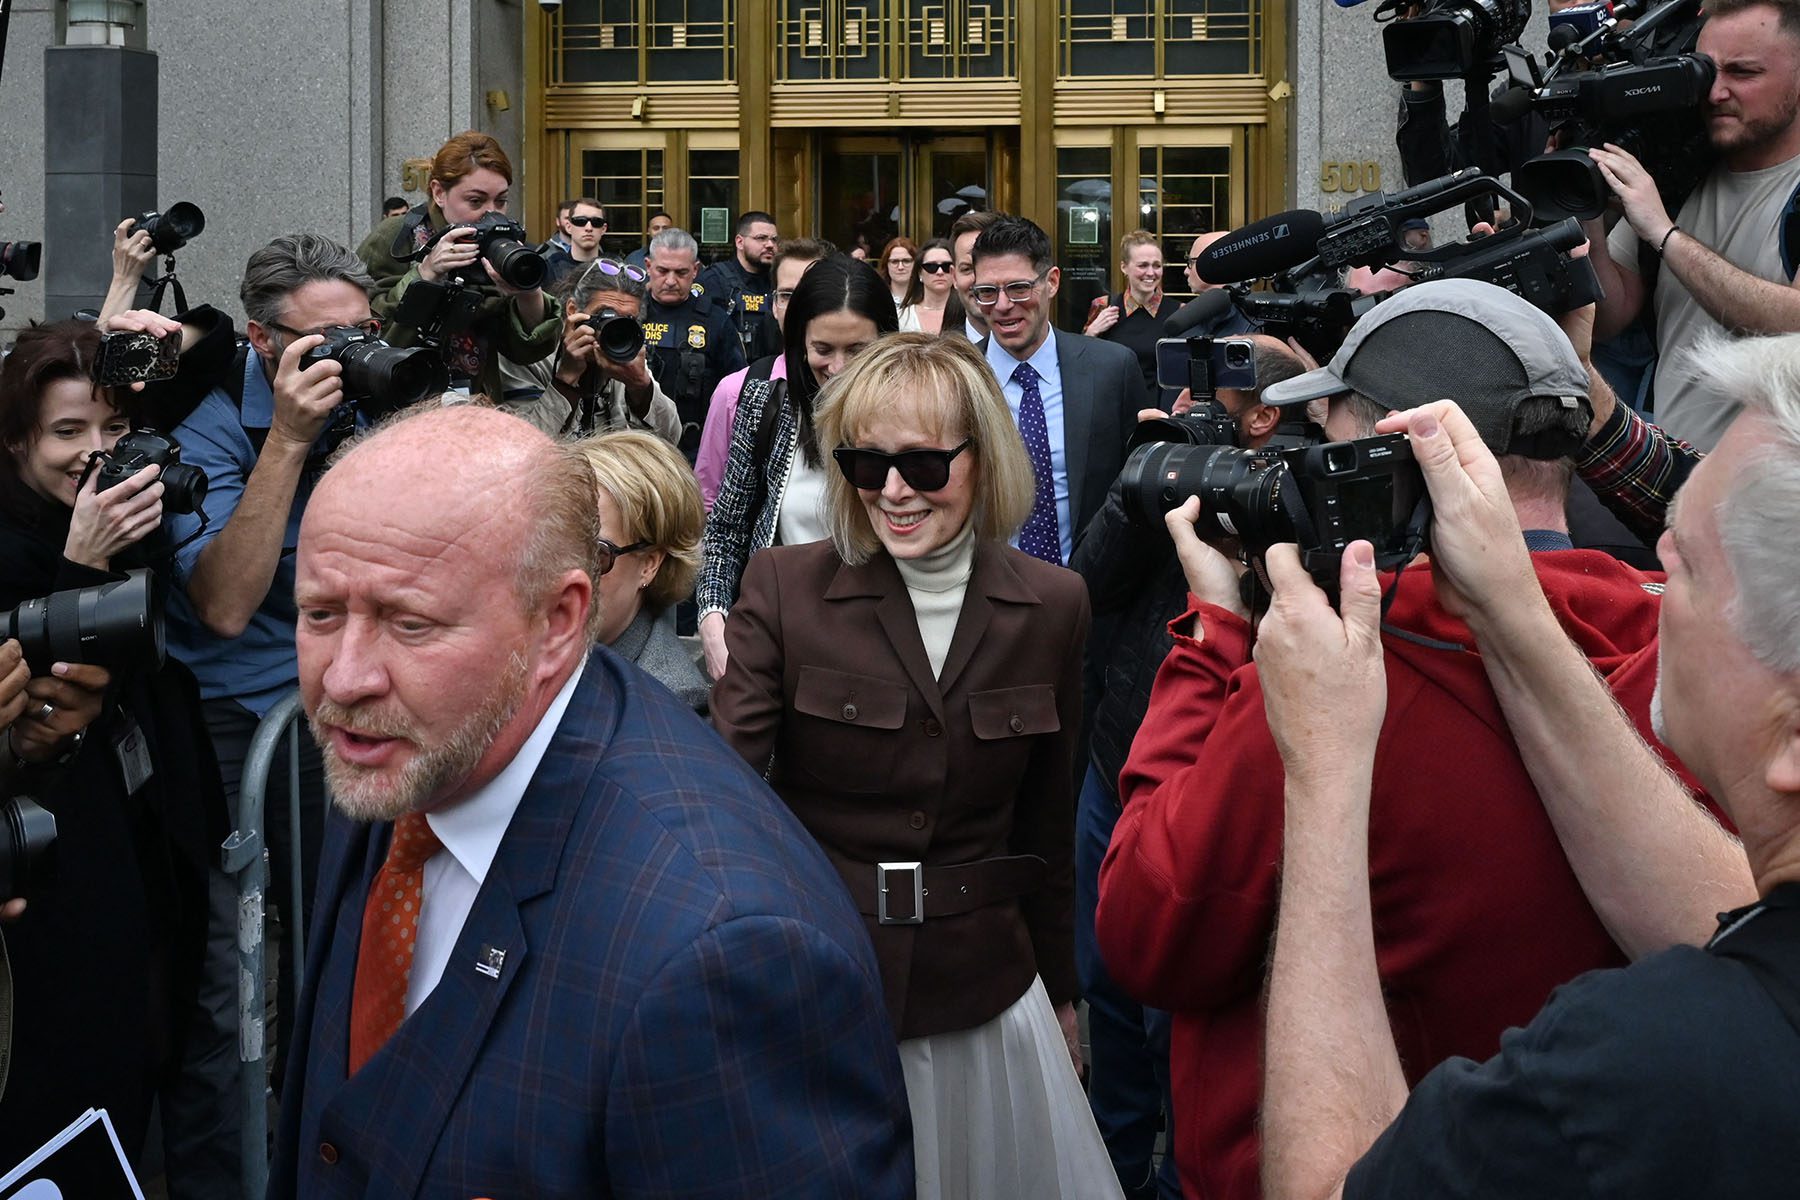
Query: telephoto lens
(21,260)
(620,337)
(27,832)
(1237,489)
(114,625)
(379,378)
(514,261)
(173,228)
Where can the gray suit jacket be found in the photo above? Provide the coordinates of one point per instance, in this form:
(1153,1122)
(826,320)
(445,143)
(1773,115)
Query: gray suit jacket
(650,642)
(1103,389)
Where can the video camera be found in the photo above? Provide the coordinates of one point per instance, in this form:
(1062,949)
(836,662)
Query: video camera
(1642,89)
(1294,249)
(1446,39)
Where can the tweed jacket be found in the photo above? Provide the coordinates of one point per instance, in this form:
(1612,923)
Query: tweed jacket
(738,525)
(661,991)
(829,688)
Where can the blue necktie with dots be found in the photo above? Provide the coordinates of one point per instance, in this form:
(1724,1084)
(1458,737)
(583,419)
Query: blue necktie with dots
(1041,537)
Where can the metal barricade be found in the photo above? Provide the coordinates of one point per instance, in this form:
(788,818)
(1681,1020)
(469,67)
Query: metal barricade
(244,858)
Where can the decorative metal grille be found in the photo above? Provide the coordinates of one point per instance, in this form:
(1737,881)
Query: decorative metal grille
(960,39)
(1160,38)
(644,41)
(883,40)
(629,185)
(832,39)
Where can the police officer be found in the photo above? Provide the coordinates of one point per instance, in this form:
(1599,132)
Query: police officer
(692,342)
(742,284)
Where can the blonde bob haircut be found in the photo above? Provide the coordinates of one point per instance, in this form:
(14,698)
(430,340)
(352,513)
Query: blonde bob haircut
(947,387)
(659,502)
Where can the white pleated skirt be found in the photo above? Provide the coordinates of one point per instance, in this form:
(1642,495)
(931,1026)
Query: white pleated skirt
(998,1113)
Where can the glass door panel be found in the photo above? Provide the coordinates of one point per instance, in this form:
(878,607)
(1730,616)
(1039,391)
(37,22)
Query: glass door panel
(953,178)
(860,196)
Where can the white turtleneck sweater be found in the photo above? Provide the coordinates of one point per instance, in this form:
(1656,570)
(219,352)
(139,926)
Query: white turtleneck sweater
(936,584)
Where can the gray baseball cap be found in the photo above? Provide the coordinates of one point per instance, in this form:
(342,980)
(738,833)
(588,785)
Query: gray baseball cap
(1453,339)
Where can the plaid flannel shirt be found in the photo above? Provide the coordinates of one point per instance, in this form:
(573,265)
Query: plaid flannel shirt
(1636,469)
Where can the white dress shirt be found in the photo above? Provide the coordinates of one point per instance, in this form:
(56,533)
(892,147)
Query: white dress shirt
(471,831)
(1050,390)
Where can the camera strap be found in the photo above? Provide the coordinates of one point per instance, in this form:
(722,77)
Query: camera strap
(163,283)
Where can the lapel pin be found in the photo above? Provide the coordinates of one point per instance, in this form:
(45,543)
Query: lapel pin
(490,962)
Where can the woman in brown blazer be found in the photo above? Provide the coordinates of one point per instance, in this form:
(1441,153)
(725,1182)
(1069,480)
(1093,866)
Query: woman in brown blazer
(912,689)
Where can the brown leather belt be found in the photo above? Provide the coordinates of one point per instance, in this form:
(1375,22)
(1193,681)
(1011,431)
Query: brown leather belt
(907,893)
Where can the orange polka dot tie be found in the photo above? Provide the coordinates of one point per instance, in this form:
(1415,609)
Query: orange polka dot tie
(390,928)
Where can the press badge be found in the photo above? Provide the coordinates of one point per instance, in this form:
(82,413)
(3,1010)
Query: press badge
(132,750)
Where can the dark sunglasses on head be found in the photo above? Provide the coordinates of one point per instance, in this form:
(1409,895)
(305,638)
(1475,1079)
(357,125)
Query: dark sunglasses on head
(610,554)
(923,470)
(585,222)
(935,268)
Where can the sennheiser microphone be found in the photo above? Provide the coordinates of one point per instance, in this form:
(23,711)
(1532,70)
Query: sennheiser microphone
(1262,248)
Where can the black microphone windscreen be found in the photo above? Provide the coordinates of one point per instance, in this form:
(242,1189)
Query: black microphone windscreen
(1208,306)
(1262,248)
(1511,104)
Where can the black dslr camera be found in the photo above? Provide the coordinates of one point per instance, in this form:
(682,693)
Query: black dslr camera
(184,486)
(172,228)
(1321,496)
(379,378)
(619,337)
(503,243)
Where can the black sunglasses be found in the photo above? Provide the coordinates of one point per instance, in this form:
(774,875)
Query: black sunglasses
(610,554)
(923,470)
(586,222)
(935,268)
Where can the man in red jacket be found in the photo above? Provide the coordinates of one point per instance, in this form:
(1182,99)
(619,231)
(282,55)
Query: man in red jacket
(1477,913)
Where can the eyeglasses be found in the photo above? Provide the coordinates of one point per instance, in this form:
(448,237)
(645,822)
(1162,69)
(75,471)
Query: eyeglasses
(585,222)
(612,268)
(610,553)
(1018,291)
(368,328)
(936,268)
(923,470)
(896,260)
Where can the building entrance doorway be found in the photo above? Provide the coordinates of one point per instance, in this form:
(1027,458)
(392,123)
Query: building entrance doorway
(872,189)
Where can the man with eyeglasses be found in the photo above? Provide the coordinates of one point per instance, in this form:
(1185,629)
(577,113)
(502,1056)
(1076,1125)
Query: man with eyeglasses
(693,343)
(586,224)
(262,439)
(1076,398)
(1210,313)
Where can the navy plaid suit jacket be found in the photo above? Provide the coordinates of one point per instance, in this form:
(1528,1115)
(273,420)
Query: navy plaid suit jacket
(688,1004)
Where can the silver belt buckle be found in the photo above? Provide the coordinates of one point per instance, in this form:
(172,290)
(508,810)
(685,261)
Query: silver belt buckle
(881,893)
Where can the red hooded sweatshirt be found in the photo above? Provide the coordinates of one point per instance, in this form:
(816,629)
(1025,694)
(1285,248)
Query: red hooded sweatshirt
(1477,913)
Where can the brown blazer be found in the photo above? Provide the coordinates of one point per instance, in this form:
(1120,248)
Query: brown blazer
(829,691)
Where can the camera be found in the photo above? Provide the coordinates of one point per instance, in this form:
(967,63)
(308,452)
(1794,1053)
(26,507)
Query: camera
(27,833)
(619,337)
(379,378)
(503,243)
(1643,90)
(21,260)
(1321,496)
(184,486)
(116,624)
(173,228)
(1448,39)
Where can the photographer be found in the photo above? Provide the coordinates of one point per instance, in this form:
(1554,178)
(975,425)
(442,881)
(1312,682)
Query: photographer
(471,178)
(1727,261)
(1675,1076)
(1135,581)
(581,389)
(106,957)
(1480,913)
(262,439)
